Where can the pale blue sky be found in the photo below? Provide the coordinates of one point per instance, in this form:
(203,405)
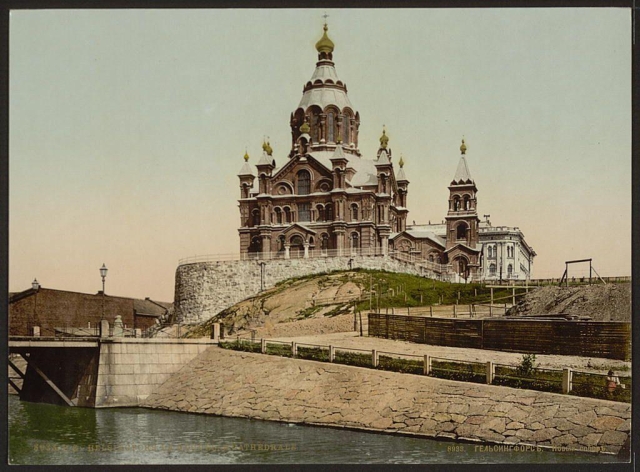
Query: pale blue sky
(128,127)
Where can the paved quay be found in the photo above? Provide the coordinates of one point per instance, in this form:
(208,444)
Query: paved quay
(353,340)
(247,385)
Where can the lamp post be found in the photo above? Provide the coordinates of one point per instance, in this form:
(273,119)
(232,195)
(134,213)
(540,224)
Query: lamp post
(36,287)
(103,274)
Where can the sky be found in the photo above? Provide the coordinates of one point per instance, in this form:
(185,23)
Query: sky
(127,128)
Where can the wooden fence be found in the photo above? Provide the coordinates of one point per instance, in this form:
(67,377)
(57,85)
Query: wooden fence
(608,339)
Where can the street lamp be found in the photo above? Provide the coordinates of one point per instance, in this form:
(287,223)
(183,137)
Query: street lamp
(103,274)
(35,286)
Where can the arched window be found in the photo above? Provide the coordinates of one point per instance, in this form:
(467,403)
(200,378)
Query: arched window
(324,243)
(328,211)
(331,137)
(320,210)
(304,182)
(510,270)
(456,203)
(255,217)
(492,269)
(287,215)
(304,212)
(461,231)
(355,241)
(313,123)
(466,202)
(346,128)
(490,252)
(431,258)
(281,243)
(354,212)
(256,244)
(278,213)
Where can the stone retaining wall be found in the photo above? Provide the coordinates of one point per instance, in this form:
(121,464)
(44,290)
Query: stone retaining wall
(247,385)
(204,289)
(129,369)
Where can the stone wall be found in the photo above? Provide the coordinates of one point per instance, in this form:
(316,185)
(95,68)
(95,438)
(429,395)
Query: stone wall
(206,288)
(247,385)
(129,369)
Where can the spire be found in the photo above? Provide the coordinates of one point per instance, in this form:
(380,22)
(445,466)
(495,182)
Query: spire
(462,172)
(384,139)
(324,46)
(401,177)
(247,169)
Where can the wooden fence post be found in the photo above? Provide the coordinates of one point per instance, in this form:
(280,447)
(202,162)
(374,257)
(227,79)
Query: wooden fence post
(426,369)
(471,311)
(491,310)
(294,349)
(513,295)
(455,313)
(491,372)
(263,346)
(566,380)
(431,310)
(332,353)
(374,358)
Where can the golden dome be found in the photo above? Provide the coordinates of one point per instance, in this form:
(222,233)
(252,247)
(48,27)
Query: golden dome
(305,128)
(246,156)
(384,139)
(463,147)
(401,162)
(325,44)
(266,147)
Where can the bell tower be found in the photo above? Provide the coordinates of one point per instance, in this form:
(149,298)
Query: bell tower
(462,220)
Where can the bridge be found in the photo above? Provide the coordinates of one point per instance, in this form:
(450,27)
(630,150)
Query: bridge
(93,371)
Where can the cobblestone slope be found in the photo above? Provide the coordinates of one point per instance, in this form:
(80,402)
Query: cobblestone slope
(246,385)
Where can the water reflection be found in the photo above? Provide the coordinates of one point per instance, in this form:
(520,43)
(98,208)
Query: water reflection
(50,434)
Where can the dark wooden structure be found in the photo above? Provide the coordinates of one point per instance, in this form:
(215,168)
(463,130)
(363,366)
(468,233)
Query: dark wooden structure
(608,339)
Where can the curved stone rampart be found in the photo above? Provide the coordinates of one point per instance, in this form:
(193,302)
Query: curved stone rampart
(247,385)
(203,289)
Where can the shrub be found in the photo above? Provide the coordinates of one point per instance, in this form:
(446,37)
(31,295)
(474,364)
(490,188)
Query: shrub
(282,350)
(313,353)
(459,371)
(400,365)
(353,358)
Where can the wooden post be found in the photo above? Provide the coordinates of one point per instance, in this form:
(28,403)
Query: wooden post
(567,378)
(374,358)
(426,370)
(491,310)
(263,346)
(455,313)
(294,349)
(408,311)
(513,295)
(491,372)
(491,295)
(431,310)
(332,353)
(471,311)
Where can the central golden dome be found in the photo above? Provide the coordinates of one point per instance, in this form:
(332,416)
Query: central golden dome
(325,44)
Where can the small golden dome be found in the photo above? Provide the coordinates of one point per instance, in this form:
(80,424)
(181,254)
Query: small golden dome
(463,147)
(401,162)
(384,139)
(266,147)
(305,128)
(325,44)
(246,156)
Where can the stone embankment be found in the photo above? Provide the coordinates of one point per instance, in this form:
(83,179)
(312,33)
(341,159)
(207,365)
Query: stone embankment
(204,289)
(248,385)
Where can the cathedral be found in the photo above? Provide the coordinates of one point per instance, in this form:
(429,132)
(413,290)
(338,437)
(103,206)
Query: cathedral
(328,200)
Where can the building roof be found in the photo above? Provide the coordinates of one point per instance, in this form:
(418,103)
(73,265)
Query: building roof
(462,172)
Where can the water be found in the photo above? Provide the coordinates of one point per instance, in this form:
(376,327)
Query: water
(50,434)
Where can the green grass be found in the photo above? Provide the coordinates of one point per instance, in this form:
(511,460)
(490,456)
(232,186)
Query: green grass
(313,353)
(353,358)
(591,385)
(242,345)
(400,365)
(282,350)
(462,371)
(542,380)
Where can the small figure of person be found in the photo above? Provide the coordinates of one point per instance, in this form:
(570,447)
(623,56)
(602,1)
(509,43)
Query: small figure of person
(613,382)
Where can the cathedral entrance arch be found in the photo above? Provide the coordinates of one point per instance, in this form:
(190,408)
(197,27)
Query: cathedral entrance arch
(255,248)
(297,246)
(461,266)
